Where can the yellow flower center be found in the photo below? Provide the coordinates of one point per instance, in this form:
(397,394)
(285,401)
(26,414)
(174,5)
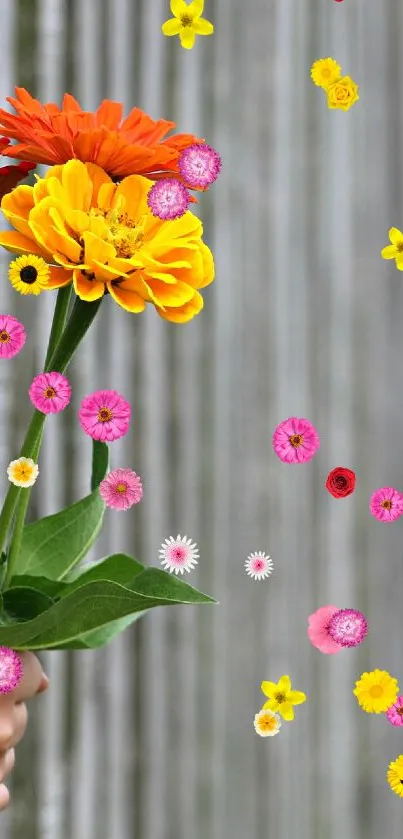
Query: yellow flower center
(296,440)
(326,72)
(376,691)
(4,337)
(122,232)
(386,504)
(186,20)
(280,697)
(23,472)
(104,415)
(49,393)
(121,488)
(268,723)
(399,246)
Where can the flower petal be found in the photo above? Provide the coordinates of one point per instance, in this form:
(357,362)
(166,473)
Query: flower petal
(185,313)
(187,38)
(178,7)
(203,27)
(395,235)
(87,289)
(59,277)
(17,243)
(125,295)
(286,710)
(271,705)
(196,8)
(390,252)
(171,27)
(284,684)
(296,697)
(269,688)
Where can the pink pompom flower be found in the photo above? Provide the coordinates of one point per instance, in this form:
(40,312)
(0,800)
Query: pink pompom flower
(295,440)
(50,393)
(168,199)
(348,627)
(121,489)
(179,555)
(394,714)
(12,336)
(386,504)
(318,630)
(199,165)
(10,670)
(259,565)
(105,415)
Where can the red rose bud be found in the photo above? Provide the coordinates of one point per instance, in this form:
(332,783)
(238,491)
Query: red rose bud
(340,482)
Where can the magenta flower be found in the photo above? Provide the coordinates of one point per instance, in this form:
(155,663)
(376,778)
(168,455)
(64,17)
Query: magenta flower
(10,670)
(121,489)
(295,440)
(168,199)
(318,630)
(386,504)
(348,627)
(394,714)
(12,336)
(50,392)
(105,415)
(179,555)
(199,165)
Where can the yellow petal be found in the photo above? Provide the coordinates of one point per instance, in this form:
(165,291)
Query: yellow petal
(185,313)
(170,295)
(389,252)
(98,178)
(127,297)
(269,688)
(296,697)
(58,277)
(179,7)
(77,185)
(399,261)
(196,8)
(284,684)
(271,705)
(208,265)
(133,190)
(87,289)
(16,206)
(395,235)
(13,241)
(187,38)
(171,27)
(286,710)
(97,249)
(203,27)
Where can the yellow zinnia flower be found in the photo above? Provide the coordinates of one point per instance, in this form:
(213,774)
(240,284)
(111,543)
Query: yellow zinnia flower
(22,472)
(376,691)
(104,238)
(342,94)
(395,250)
(325,71)
(282,698)
(187,22)
(267,723)
(395,776)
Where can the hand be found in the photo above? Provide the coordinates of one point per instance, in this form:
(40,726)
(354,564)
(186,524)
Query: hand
(14,716)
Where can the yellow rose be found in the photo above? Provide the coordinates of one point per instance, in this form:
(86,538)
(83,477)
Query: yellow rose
(342,94)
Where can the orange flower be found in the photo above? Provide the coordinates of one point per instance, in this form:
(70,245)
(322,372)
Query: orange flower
(10,176)
(122,147)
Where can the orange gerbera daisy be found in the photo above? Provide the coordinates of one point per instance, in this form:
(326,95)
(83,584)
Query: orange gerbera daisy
(10,176)
(52,135)
(103,237)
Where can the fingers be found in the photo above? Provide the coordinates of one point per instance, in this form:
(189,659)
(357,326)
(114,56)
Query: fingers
(4,797)
(7,761)
(12,726)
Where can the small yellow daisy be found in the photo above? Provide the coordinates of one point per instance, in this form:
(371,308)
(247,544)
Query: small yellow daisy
(29,274)
(325,71)
(267,723)
(22,472)
(376,691)
(395,250)
(395,776)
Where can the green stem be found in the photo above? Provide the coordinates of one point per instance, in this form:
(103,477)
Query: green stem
(15,544)
(59,321)
(80,320)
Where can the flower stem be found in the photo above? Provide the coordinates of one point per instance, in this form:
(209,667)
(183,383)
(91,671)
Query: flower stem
(62,348)
(15,544)
(59,321)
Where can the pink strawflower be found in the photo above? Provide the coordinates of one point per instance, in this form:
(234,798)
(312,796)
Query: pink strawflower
(168,199)
(12,336)
(394,714)
(121,489)
(10,670)
(50,392)
(179,555)
(105,415)
(199,165)
(259,565)
(295,440)
(386,504)
(318,630)
(348,627)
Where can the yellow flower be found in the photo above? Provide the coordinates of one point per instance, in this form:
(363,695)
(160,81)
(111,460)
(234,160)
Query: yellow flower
(267,723)
(342,94)
(376,691)
(395,776)
(282,698)
(187,22)
(22,472)
(325,71)
(395,250)
(29,274)
(104,238)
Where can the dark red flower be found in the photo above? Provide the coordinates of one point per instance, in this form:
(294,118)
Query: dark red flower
(340,482)
(10,176)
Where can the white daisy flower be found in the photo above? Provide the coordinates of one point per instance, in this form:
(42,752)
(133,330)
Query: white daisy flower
(258,565)
(22,472)
(267,723)
(179,555)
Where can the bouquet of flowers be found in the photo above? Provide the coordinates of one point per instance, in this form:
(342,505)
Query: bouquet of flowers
(110,217)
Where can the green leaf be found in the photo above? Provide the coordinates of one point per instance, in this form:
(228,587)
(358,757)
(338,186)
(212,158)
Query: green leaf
(52,588)
(96,605)
(102,637)
(24,604)
(100,463)
(52,546)
(118,568)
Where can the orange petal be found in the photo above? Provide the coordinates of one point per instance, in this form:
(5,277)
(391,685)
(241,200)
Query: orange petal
(126,295)
(87,289)
(183,314)
(16,243)
(59,277)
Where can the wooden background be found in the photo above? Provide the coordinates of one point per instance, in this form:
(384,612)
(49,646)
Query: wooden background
(153,737)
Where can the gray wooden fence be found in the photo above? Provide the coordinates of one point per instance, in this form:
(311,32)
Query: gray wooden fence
(153,737)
